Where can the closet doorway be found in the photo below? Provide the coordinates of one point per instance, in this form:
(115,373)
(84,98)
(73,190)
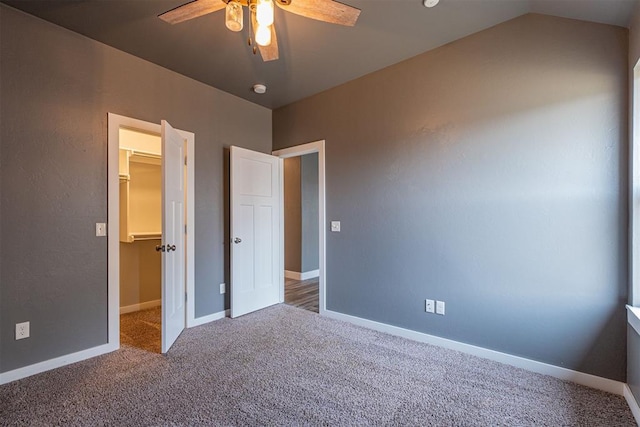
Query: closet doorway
(140,183)
(150,233)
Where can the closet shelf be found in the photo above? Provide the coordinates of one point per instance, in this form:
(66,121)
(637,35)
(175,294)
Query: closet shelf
(142,157)
(140,196)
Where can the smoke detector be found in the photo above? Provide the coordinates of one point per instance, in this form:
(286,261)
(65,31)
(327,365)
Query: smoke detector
(259,88)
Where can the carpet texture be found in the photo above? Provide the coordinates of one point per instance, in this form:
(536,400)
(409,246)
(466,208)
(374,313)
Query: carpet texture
(288,366)
(142,329)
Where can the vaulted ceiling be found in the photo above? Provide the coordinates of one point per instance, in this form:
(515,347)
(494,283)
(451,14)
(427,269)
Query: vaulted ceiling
(314,56)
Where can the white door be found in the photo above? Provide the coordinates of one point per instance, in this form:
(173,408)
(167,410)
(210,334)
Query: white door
(173,256)
(255,231)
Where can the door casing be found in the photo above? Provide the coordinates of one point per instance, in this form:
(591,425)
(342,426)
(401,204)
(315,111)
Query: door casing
(300,150)
(113,226)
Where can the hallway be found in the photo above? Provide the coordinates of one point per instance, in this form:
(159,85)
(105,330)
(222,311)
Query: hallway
(302,293)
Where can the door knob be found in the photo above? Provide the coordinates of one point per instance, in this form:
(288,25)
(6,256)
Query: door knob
(237,240)
(171,248)
(159,248)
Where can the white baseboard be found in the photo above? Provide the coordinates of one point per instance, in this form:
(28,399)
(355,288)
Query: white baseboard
(36,368)
(633,318)
(142,306)
(633,403)
(206,319)
(296,275)
(593,381)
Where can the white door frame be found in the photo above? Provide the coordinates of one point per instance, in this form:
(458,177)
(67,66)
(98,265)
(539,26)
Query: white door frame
(301,150)
(113,226)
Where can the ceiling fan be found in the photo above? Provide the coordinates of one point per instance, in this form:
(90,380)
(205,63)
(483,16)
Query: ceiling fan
(264,31)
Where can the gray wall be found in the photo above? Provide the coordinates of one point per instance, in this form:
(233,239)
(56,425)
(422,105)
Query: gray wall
(292,217)
(633,338)
(309,221)
(57,88)
(490,173)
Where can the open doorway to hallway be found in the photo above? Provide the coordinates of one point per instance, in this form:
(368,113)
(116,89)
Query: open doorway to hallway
(301,232)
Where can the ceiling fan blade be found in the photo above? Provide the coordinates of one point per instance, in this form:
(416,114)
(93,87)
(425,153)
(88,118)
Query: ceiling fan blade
(323,10)
(268,53)
(192,10)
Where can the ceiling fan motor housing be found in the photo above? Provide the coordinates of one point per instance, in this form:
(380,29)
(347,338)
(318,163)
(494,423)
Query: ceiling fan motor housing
(248,3)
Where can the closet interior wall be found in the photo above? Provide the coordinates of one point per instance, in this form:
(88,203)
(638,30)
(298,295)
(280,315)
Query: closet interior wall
(140,220)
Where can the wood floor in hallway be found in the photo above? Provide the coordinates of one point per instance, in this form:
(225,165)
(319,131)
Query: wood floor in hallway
(302,293)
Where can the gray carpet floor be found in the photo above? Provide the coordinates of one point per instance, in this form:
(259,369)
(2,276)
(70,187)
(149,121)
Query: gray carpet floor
(142,329)
(287,366)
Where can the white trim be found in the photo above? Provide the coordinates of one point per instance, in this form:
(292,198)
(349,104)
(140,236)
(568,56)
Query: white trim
(296,275)
(593,381)
(301,150)
(282,275)
(116,121)
(191,230)
(140,306)
(634,188)
(209,318)
(633,317)
(633,403)
(47,365)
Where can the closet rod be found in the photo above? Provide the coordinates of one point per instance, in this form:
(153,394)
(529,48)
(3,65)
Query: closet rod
(146,236)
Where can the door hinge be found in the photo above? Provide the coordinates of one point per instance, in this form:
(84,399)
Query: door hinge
(185,160)
(185,297)
(185,229)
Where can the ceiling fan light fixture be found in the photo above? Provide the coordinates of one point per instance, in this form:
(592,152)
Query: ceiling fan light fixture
(263,35)
(264,12)
(233,16)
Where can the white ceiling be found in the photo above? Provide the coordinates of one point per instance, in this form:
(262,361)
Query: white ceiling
(314,56)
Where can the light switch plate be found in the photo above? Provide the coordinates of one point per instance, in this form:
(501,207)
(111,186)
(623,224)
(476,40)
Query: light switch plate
(440,307)
(101,229)
(222,288)
(335,226)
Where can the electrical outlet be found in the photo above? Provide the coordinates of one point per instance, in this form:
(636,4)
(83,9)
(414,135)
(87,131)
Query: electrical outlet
(429,306)
(223,288)
(22,330)
(440,307)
